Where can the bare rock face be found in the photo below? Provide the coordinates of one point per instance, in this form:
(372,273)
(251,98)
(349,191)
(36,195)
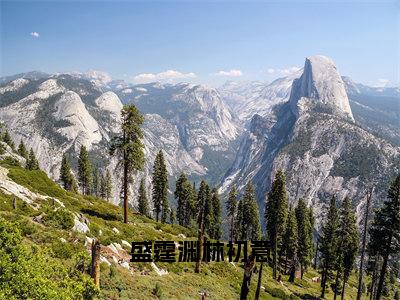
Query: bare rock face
(109,101)
(59,113)
(320,83)
(83,126)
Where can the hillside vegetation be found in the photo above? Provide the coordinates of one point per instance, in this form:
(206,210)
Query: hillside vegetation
(48,256)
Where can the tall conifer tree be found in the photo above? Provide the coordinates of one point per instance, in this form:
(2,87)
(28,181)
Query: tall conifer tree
(85,175)
(305,250)
(108,185)
(251,214)
(22,150)
(185,198)
(160,188)
(240,228)
(276,211)
(8,140)
(328,244)
(349,240)
(143,203)
(66,176)
(231,207)
(129,148)
(203,216)
(32,162)
(96,182)
(290,242)
(215,230)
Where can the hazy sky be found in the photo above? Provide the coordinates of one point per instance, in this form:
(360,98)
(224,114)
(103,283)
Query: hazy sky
(207,42)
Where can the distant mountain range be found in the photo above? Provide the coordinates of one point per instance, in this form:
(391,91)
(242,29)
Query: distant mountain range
(329,134)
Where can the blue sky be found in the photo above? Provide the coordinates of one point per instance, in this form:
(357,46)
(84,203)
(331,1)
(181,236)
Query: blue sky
(207,42)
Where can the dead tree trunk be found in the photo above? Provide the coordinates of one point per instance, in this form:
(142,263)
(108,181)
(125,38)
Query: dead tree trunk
(360,272)
(248,271)
(95,272)
(259,282)
(14,203)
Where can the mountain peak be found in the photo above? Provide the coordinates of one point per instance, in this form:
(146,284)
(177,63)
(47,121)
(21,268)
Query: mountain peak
(321,82)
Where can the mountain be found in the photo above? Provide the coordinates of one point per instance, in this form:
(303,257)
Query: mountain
(59,113)
(250,98)
(236,93)
(314,139)
(33,75)
(329,134)
(377,109)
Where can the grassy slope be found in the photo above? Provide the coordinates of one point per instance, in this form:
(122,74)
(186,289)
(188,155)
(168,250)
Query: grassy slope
(220,280)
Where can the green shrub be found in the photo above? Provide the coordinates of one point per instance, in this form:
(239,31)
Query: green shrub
(278,293)
(60,218)
(157,291)
(27,227)
(29,274)
(66,250)
(10,161)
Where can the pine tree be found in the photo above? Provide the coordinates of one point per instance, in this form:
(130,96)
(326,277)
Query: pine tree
(290,242)
(231,207)
(191,204)
(203,204)
(96,182)
(108,185)
(240,228)
(349,240)
(102,186)
(32,163)
(66,176)
(129,149)
(8,140)
(74,185)
(185,198)
(385,231)
(143,203)
(215,230)
(276,214)
(304,227)
(251,214)
(172,217)
(160,188)
(312,232)
(208,212)
(22,150)
(85,176)
(328,244)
